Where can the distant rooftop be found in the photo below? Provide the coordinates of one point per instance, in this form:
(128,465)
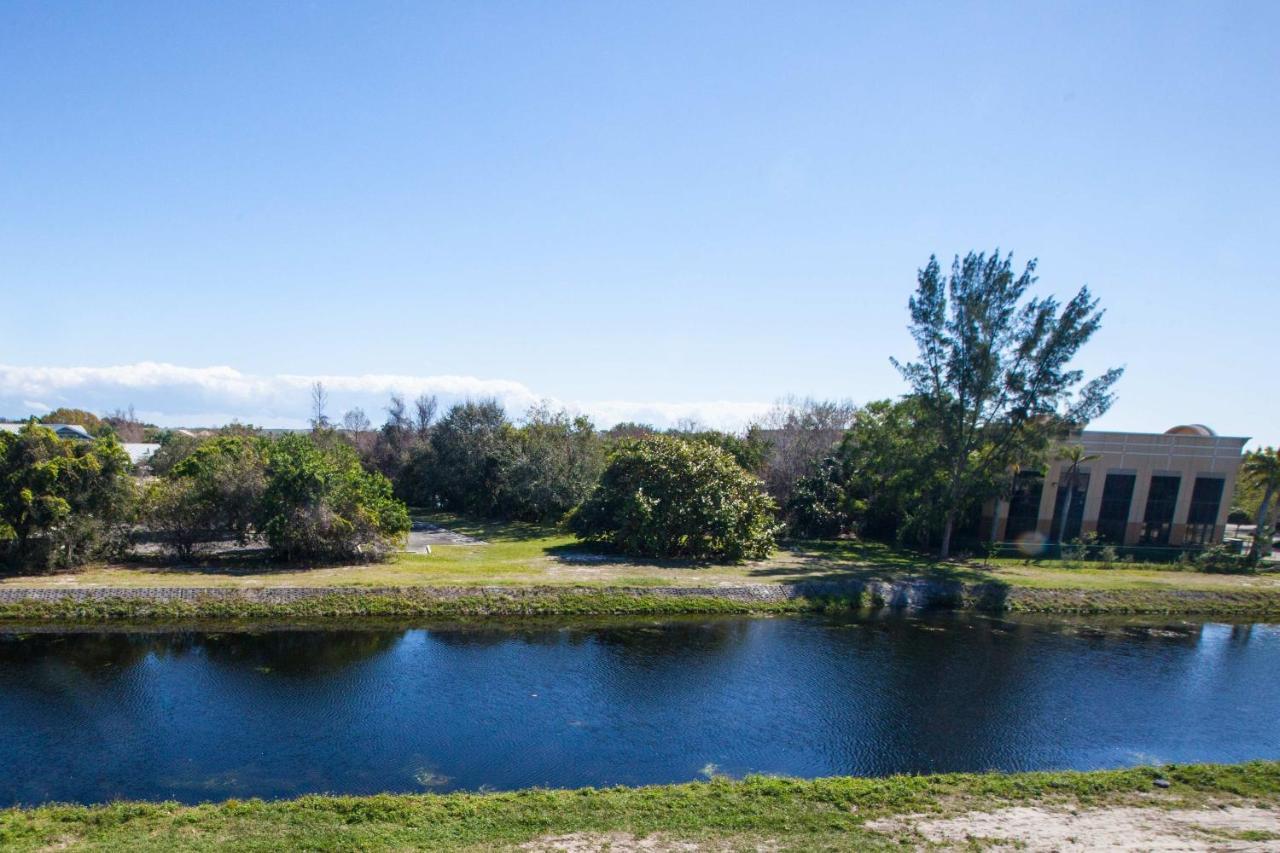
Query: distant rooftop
(62,430)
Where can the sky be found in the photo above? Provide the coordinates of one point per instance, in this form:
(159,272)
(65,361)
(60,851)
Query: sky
(642,211)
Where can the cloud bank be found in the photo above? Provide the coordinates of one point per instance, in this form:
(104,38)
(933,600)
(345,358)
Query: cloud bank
(172,395)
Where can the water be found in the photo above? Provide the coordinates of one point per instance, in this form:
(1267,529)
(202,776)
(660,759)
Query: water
(195,716)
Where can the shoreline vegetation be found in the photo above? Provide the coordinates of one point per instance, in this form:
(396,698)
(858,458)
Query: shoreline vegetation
(1200,805)
(161,605)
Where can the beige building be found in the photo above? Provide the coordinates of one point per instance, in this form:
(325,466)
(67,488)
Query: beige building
(1169,489)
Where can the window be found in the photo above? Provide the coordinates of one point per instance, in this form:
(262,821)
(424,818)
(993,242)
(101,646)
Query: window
(1161,500)
(1206,498)
(1113,515)
(1075,514)
(1024,505)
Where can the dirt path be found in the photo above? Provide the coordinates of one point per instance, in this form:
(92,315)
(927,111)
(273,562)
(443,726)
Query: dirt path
(423,535)
(1119,829)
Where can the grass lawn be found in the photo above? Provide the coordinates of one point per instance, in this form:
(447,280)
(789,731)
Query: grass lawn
(1208,804)
(526,554)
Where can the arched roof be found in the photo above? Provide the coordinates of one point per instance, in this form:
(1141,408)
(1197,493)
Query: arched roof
(1191,429)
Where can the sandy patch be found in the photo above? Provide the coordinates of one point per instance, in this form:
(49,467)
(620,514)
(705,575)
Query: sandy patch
(1122,829)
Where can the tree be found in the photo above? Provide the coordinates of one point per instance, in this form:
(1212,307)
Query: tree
(424,413)
(821,506)
(174,509)
(319,403)
(800,434)
(749,451)
(557,460)
(1074,456)
(993,372)
(664,497)
(319,503)
(227,478)
(62,501)
(126,425)
(882,480)
(1261,469)
(91,422)
(474,448)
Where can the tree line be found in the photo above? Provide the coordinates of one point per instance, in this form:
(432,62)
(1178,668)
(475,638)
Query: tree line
(992,391)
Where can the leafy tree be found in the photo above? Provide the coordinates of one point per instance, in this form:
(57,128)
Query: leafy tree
(91,422)
(993,372)
(557,461)
(62,502)
(319,503)
(176,510)
(174,447)
(1261,469)
(882,480)
(821,505)
(228,474)
(629,429)
(475,447)
(661,496)
(749,451)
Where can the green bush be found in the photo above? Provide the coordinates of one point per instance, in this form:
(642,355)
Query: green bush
(319,503)
(1222,560)
(661,496)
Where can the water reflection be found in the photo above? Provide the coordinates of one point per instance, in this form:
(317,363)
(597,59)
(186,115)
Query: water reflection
(194,715)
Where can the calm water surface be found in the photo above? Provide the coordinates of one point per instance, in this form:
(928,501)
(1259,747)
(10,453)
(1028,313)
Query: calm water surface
(198,716)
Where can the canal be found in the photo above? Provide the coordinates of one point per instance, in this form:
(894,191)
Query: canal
(195,715)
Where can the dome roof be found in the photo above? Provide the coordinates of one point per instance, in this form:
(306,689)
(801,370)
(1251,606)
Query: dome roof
(1191,429)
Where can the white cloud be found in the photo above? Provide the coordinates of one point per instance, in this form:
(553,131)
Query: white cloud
(172,395)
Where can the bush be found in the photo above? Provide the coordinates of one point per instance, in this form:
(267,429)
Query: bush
(1223,560)
(663,497)
(319,503)
(821,506)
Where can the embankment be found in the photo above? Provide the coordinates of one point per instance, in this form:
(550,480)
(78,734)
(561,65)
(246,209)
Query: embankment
(170,603)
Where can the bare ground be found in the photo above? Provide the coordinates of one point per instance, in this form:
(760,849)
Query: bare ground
(1122,828)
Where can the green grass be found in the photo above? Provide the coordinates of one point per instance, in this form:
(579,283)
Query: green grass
(789,813)
(480,605)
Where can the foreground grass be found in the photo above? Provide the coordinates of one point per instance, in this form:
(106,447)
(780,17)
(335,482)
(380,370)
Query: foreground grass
(787,813)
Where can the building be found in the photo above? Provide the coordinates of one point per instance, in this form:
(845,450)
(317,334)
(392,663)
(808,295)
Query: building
(71,431)
(1168,489)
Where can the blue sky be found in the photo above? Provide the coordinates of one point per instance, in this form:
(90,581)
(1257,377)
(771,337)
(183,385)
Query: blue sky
(641,210)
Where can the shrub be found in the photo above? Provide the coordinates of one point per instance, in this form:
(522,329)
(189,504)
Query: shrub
(1223,560)
(319,503)
(821,506)
(660,496)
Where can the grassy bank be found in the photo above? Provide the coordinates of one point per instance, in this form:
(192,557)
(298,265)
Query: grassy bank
(465,604)
(837,813)
(543,602)
(568,578)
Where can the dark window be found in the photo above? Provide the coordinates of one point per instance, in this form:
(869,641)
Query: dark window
(1202,517)
(1024,505)
(1075,515)
(1113,515)
(1158,520)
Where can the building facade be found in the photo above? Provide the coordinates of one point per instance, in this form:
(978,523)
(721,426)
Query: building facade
(1169,489)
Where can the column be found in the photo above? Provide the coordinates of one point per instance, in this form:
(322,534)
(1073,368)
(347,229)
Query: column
(1138,508)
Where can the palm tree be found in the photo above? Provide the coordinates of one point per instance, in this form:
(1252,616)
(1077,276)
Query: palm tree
(1262,469)
(1074,456)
